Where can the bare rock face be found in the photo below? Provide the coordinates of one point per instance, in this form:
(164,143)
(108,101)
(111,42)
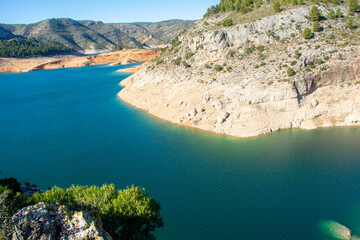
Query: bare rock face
(253,78)
(46,221)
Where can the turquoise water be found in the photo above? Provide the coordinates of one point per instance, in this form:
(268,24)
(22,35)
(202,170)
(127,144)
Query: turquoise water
(67,126)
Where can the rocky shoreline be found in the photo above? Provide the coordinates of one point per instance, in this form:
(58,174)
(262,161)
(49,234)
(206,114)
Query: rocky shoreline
(252,93)
(116,58)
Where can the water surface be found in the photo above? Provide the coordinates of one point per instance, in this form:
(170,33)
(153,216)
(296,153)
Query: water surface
(67,126)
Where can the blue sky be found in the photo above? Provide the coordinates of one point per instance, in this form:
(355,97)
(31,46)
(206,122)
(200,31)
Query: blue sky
(29,11)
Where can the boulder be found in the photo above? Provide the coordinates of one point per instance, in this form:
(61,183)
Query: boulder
(47,221)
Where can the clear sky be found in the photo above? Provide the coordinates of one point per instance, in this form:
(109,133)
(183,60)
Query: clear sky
(108,11)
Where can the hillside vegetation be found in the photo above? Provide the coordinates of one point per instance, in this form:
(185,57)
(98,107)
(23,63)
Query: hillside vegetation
(96,35)
(20,47)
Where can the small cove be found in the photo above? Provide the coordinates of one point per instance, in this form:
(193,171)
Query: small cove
(67,126)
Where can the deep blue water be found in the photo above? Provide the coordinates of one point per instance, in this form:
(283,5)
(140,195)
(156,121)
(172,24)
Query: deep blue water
(67,126)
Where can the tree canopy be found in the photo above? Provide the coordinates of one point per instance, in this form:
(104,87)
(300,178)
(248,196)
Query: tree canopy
(21,47)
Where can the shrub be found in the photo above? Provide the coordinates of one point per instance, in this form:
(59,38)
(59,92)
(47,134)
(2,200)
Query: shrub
(256,66)
(126,212)
(315,13)
(11,184)
(175,42)
(292,34)
(316,26)
(293,63)
(290,72)
(227,22)
(307,34)
(207,66)
(277,6)
(320,61)
(189,55)
(331,14)
(229,69)
(353,6)
(159,61)
(339,13)
(350,24)
(186,65)
(177,61)
(232,53)
(218,68)
(297,54)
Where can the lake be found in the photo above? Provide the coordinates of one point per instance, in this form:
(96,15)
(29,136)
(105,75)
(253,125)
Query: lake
(67,126)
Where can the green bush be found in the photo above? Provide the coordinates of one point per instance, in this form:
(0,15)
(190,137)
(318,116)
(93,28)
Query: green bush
(10,202)
(297,54)
(232,53)
(129,212)
(227,22)
(350,23)
(175,42)
(353,6)
(315,13)
(159,61)
(185,64)
(290,72)
(307,34)
(189,55)
(256,66)
(277,6)
(218,68)
(207,66)
(177,61)
(339,14)
(331,14)
(316,26)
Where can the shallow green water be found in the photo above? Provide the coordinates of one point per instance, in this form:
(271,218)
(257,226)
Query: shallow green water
(67,126)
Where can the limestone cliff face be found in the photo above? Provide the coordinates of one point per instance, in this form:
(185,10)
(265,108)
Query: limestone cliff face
(252,91)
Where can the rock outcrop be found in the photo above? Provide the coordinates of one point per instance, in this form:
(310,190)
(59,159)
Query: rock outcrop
(254,78)
(47,221)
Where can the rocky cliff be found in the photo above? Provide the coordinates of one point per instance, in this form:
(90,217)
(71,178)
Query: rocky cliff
(255,77)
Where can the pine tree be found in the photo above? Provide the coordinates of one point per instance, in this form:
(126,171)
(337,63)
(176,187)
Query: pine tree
(277,6)
(316,26)
(353,6)
(315,13)
(332,14)
(307,34)
(339,13)
(237,5)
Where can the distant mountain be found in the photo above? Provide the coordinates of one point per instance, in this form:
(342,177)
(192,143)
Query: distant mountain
(86,35)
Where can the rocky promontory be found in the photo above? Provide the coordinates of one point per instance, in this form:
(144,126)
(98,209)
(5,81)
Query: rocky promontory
(256,77)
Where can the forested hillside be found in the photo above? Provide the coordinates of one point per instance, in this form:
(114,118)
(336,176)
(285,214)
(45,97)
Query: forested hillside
(21,47)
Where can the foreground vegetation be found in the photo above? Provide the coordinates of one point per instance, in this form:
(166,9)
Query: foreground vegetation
(21,47)
(124,213)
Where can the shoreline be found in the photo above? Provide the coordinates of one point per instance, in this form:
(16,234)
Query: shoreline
(122,57)
(225,134)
